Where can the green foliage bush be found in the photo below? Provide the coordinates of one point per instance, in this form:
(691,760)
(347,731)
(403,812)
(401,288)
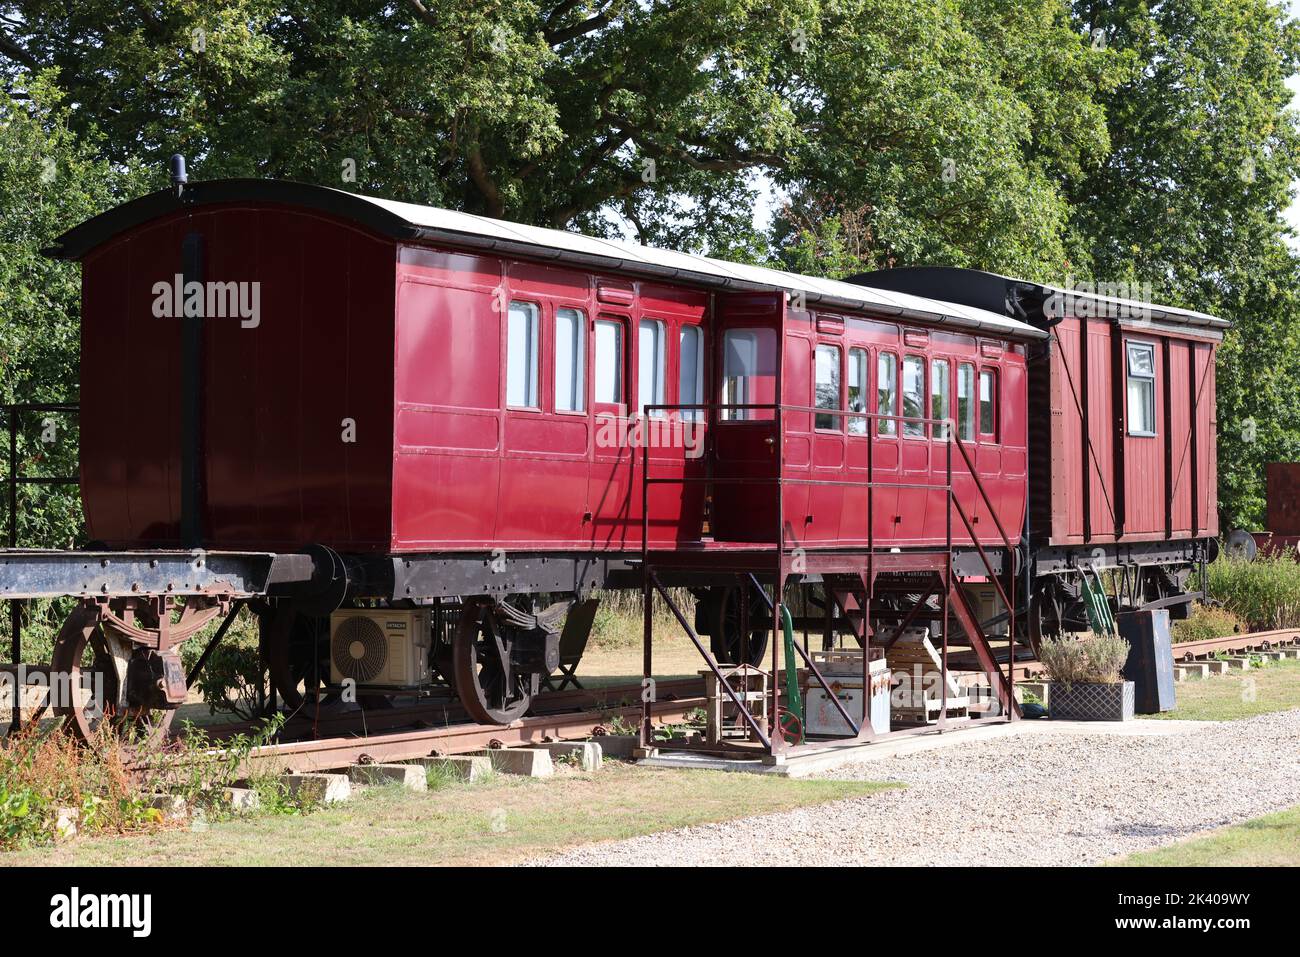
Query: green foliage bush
(1264,593)
(233,680)
(1205,622)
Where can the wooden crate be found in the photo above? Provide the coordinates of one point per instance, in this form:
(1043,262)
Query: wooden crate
(723,719)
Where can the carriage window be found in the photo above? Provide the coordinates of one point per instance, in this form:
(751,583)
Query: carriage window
(748,372)
(857,389)
(887,392)
(690,382)
(570,358)
(827,393)
(914,394)
(521,365)
(988,402)
(965,401)
(650,352)
(1141,388)
(940,389)
(609,362)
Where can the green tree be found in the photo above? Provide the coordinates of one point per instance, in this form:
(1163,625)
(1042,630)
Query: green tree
(953,127)
(1191,199)
(49,181)
(1116,140)
(577,113)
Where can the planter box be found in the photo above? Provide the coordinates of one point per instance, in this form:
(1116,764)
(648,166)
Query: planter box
(1092,702)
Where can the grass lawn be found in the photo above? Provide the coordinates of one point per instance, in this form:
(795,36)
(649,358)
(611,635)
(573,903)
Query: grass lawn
(1269,841)
(497,821)
(1239,694)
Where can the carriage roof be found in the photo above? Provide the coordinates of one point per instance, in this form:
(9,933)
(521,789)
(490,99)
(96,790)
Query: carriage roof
(411,222)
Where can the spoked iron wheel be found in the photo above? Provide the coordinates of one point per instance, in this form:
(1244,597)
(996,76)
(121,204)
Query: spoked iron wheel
(727,644)
(491,690)
(96,691)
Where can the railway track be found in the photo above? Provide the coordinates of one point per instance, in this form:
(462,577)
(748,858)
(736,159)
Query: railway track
(327,741)
(1029,668)
(1253,641)
(336,752)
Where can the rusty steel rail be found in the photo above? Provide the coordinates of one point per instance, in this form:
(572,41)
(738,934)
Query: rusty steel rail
(1191,650)
(337,752)
(445,712)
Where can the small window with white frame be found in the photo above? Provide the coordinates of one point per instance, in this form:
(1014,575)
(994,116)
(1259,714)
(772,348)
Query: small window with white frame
(570,359)
(826,393)
(650,365)
(521,351)
(1141,388)
(940,398)
(989,402)
(966,401)
(857,382)
(608,373)
(690,373)
(913,395)
(748,373)
(887,392)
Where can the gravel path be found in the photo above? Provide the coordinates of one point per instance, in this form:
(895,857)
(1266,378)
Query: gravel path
(1034,799)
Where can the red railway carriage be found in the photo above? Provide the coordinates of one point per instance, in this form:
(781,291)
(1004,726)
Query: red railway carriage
(1122,434)
(441,418)
(418,380)
(454,415)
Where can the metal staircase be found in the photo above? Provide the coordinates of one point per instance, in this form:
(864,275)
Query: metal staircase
(858,583)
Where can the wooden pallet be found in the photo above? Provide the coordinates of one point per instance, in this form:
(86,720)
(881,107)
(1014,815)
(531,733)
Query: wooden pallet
(921,705)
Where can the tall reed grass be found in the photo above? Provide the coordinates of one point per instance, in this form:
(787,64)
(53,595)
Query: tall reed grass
(1264,593)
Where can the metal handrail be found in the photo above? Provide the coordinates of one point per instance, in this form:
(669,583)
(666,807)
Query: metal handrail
(933,429)
(14,478)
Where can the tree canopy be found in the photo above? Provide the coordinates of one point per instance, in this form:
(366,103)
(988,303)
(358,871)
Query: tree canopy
(1116,140)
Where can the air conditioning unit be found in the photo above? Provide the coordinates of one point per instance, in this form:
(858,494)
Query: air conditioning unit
(379,647)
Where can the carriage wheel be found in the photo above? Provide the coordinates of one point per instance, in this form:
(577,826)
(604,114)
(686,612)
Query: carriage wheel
(490,689)
(296,655)
(726,633)
(96,692)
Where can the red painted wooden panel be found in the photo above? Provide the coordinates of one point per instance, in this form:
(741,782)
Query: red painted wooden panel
(1102,414)
(1180,436)
(278,474)
(1067,371)
(1207,431)
(1144,456)
(447,454)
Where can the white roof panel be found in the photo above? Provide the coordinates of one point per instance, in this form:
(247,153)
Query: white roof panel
(449,226)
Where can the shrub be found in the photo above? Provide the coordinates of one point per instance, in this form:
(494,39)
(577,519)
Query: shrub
(1264,593)
(233,679)
(51,786)
(1205,622)
(1095,660)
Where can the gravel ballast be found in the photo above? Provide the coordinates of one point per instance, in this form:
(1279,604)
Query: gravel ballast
(1031,799)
